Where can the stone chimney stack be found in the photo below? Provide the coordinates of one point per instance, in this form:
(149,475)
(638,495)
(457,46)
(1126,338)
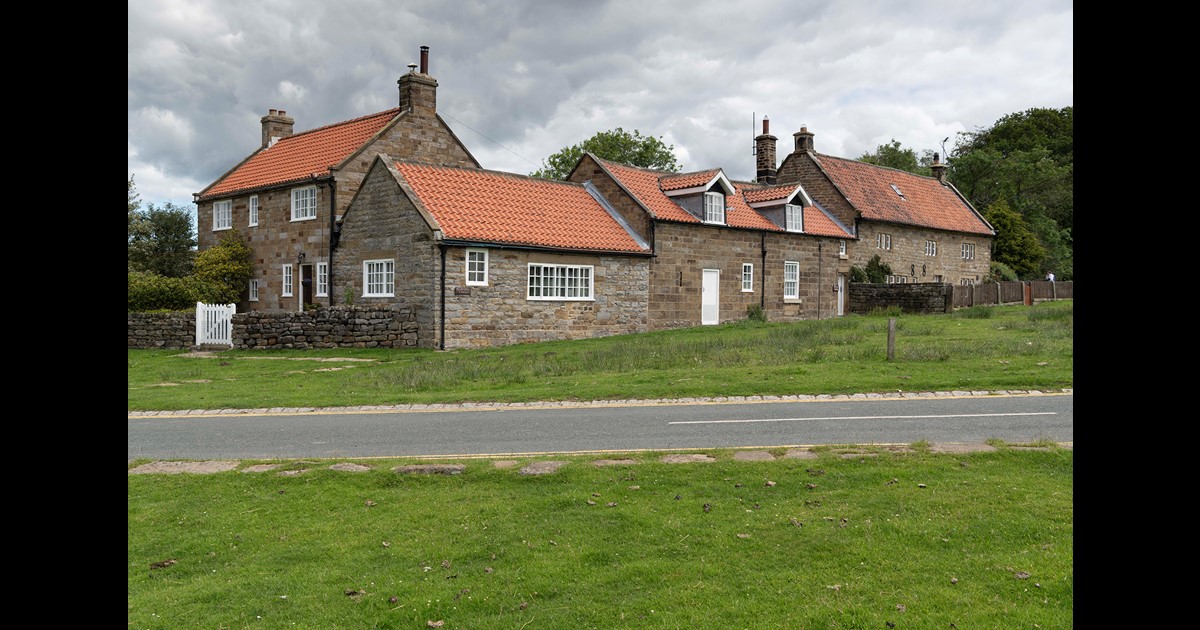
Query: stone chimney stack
(939,169)
(764,154)
(275,125)
(804,140)
(418,90)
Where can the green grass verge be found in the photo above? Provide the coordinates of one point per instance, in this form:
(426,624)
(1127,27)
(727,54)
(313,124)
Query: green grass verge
(981,348)
(914,539)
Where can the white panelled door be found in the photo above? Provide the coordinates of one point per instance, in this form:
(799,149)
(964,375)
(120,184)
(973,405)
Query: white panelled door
(710,298)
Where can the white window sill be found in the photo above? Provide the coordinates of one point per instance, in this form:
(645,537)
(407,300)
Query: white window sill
(558,299)
(374,295)
(222,229)
(295,220)
(843,257)
(793,300)
(747,290)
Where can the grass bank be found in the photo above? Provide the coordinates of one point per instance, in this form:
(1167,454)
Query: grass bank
(979,348)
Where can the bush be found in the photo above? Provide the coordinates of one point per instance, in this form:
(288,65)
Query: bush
(224,270)
(877,271)
(1000,272)
(152,292)
(755,313)
(857,274)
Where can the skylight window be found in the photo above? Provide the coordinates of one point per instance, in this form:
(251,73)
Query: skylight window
(897,189)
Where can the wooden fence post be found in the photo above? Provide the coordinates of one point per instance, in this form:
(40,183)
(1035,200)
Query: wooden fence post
(891,343)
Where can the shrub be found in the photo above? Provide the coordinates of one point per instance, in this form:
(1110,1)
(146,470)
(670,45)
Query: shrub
(1000,272)
(224,270)
(877,271)
(857,274)
(151,292)
(755,313)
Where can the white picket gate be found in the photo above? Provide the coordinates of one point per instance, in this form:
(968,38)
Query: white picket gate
(214,324)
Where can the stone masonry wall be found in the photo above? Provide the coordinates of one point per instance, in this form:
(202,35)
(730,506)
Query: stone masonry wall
(907,255)
(910,298)
(173,330)
(327,327)
(500,313)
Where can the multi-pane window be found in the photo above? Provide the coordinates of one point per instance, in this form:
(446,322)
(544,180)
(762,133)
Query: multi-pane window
(477,267)
(379,278)
(794,218)
(883,241)
(931,248)
(223,215)
(968,251)
(287,281)
(966,281)
(714,207)
(897,279)
(747,277)
(560,282)
(842,247)
(254,290)
(304,203)
(791,279)
(322,279)
(253,210)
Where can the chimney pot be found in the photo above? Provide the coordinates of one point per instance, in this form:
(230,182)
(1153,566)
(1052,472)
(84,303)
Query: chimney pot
(424,60)
(766,125)
(271,112)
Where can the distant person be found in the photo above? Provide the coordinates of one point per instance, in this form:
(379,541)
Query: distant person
(1050,276)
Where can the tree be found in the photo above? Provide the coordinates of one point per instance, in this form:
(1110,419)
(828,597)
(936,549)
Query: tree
(1016,245)
(893,156)
(616,145)
(224,269)
(160,240)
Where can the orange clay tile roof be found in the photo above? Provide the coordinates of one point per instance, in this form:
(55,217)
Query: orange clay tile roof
(687,180)
(926,202)
(645,186)
(490,206)
(300,156)
(768,193)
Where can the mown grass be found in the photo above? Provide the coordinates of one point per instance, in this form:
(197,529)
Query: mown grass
(986,542)
(979,348)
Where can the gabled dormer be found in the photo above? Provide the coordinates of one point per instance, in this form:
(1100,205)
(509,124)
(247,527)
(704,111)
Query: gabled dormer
(783,205)
(702,194)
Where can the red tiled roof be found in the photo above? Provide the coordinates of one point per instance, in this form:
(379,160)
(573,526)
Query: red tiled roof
(646,186)
(768,193)
(926,202)
(300,156)
(477,205)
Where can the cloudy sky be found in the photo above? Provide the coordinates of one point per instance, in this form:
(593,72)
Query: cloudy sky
(521,79)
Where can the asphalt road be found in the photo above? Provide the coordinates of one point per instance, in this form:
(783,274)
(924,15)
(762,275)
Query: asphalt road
(523,431)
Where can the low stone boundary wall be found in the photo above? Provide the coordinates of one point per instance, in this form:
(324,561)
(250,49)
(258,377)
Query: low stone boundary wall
(911,298)
(377,326)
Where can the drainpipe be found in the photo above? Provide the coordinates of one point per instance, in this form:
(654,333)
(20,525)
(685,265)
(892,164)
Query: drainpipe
(329,265)
(762,274)
(819,280)
(442,317)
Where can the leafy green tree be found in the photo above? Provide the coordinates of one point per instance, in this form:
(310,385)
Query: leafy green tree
(616,145)
(893,156)
(876,270)
(1016,245)
(162,241)
(224,269)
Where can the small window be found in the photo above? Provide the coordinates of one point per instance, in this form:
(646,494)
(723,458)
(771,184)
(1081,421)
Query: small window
(791,280)
(223,215)
(968,251)
(897,189)
(931,248)
(747,278)
(253,210)
(794,218)
(842,248)
(254,290)
(966,281)
(560,282)
(379,278)
(714,207)
(883,241)
(897,279)
(322,279)
(477,267)
(304,203)
(287,281)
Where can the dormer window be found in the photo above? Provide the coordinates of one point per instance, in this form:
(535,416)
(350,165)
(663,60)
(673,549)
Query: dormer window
(714,207)
(794,218)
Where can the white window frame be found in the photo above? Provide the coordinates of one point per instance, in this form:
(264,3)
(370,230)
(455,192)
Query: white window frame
(842,248)
(286,285)
(747,278)
(254,290)
(379,277)
(304,203)
(793,217)
(714,208)
(222,215)
(253,206)
(322,289)
(791,280)
(931,248)
(550,282)
(968,251)
(897,279)
(883,241)
(477,276)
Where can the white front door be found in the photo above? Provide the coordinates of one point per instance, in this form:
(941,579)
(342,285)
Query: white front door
(710,297)
(841,291)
